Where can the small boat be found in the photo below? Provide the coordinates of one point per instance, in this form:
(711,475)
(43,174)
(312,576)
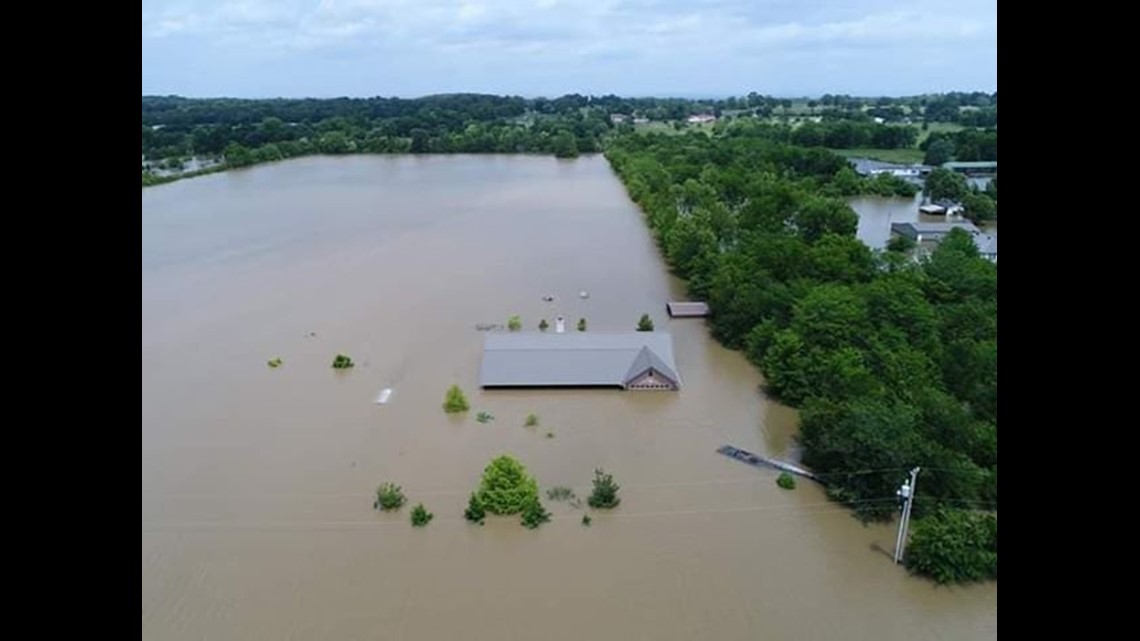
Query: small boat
(384,395)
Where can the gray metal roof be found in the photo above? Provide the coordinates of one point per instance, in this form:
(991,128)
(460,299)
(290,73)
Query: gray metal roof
(687,308)
(987,245)
(979,164)
(912,230)
(545,359)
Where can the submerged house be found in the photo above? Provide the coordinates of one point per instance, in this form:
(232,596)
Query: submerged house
(632,361)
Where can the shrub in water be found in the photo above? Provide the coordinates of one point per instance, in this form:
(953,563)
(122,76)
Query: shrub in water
(605,491)
(534,515)
(455,401)
(474,512)
(484,417)
(543,325)
(786,481)
(531,420)
(645,324)
(388,497)
(586,520)
(559,493)
(275,363)
(420,516)
(342,362)
(514,323)
(581,324)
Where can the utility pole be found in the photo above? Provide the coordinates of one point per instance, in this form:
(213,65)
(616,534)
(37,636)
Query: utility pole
(906,496)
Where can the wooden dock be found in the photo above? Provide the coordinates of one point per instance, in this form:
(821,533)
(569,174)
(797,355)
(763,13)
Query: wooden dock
(756,460)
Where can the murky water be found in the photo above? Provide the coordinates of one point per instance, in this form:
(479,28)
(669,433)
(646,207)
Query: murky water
(257,519)
(877,213)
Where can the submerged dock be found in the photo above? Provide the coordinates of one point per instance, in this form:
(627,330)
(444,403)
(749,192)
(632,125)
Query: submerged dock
(756,460)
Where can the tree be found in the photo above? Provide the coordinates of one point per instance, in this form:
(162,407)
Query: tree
(474,512)
(954,546)
(420,516)
(605,491)
(645,324)
(238,156)
(543,325)
(507,487)
(534,515)
(388,497)
(564,146)
(455,401)
(900,243)
(514,323)
(979,207)
(819,216)
(581,324)
(938,152)
(943,183)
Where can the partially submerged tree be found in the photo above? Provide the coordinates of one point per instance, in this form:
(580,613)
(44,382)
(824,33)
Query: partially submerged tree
(455,401)
(954,546)
(605,491)
(389,496)
(543,325)
(474,512)
(420,516)
(581,324)
(342,362)
(507,487)
(534,515)
(531,420)
(514,323)
(645,324)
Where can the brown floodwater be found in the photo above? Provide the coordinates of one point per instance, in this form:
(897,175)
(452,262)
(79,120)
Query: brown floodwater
(876,214)
(257,483)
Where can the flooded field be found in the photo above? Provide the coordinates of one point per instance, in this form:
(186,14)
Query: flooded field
(257,519)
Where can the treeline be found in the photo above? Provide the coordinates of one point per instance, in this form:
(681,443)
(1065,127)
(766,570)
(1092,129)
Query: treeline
(964,145)
(458,124)
(893,363)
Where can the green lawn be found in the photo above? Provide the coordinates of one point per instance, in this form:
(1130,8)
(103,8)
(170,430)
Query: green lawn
(667,128)
(902,156)
(948,127)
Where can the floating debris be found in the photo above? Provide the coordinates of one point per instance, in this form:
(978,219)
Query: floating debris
(486,327)
(484,417)
(549,299)
(384,395)
(583,294)
(275,363)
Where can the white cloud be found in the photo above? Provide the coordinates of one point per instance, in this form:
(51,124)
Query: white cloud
(567,37)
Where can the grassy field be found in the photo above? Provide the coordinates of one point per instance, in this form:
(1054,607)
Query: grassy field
(948,127)
(902,156)
(667,128)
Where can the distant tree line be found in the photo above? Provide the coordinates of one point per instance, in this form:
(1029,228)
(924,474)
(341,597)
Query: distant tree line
(964,145)
(893,363)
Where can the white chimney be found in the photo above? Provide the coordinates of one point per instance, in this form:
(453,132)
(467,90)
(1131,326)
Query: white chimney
(559,325)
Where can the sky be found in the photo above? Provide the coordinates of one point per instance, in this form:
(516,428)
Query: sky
(702,48)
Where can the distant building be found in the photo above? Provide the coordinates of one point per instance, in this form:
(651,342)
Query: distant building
(632,361)
(987,246)
(921,232)
(697,119)
(983,168)
(868,167)
(640,121)
(932,231)
(617,119)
